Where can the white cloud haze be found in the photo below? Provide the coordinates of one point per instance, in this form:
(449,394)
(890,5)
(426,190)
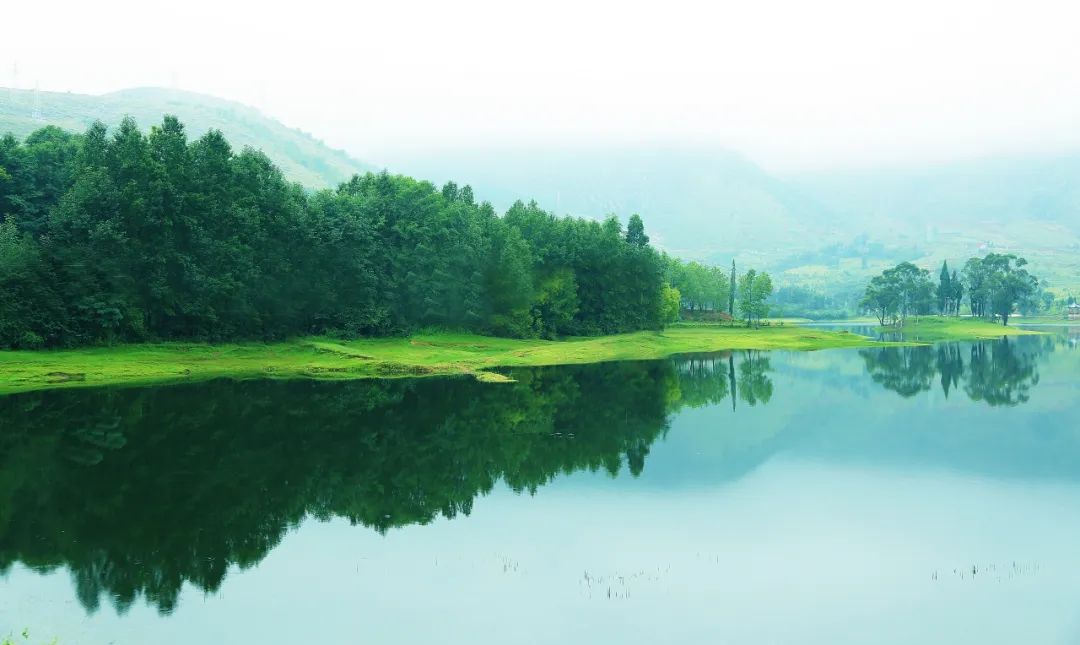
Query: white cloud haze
(791,84)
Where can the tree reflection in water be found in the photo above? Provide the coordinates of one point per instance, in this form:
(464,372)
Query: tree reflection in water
(139,490)
(1000,372)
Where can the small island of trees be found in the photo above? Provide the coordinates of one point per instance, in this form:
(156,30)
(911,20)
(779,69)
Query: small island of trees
(995,286)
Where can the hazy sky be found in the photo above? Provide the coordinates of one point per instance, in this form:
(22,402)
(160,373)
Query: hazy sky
(804,84)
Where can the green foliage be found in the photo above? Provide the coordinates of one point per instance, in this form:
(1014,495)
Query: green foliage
(754,291)
(130,236)
(902,291)
(703,288)
(617,278)
(998,284)
(672,304)
(30,311)
(30,340)
(799,302)
(950,292)
(1008,283)
(731,291)
(635,232)
(556,303)
(301,157)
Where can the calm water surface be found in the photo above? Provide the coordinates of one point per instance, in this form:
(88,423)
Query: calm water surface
(846,496)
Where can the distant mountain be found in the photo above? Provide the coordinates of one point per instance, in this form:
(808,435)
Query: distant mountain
(707,203)
(826,231)
(1002,189)
(299,155)
(1029,205)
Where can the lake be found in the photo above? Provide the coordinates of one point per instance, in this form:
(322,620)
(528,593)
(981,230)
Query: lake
(898,495)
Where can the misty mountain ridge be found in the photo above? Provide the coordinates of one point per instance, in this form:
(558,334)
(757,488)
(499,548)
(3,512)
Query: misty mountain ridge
(702,202)
(814,229)
(300,156)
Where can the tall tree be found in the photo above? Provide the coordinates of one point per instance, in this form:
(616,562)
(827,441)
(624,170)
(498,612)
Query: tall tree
(731,291)
(944,289)
(1010,284)
(635,232)
(899,292)
(754,290)
(746,296)
(957,295)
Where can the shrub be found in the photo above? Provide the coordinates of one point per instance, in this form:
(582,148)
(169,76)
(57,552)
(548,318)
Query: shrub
(30,340)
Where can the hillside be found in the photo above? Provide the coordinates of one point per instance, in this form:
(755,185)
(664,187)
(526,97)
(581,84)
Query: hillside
(300,156)
(826,231)
(1025,205)
(698,202)
(829,232)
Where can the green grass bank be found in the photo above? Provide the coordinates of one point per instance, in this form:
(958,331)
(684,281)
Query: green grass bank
(419,355)
(933,329)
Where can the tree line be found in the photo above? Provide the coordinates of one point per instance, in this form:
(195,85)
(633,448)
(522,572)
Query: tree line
(996,286)
(705,291)
(130,236)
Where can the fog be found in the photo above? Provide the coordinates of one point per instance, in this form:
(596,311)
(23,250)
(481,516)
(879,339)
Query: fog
(792,85)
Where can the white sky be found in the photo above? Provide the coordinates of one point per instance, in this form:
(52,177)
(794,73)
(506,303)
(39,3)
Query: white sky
(803,84)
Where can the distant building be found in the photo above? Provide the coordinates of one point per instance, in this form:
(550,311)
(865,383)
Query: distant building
(1072,312)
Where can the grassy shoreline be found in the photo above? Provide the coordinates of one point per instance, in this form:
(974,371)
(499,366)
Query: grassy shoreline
(419,355)
(933,329)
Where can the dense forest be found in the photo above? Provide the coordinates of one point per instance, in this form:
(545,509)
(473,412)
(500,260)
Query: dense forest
(129,236)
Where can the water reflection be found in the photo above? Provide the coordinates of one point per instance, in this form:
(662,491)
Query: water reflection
(708,379)
(1000,372)
(137,491)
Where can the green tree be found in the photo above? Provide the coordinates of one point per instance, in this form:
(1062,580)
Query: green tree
(957,295)
(899,292)
(672,304)
(977,284)
(944,290)
(556,304)
(731,291)
(127,236)
(635,232)
(510,287)
(29,308)
(1010,284)
(881,297)
(746,295)
(754,291)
